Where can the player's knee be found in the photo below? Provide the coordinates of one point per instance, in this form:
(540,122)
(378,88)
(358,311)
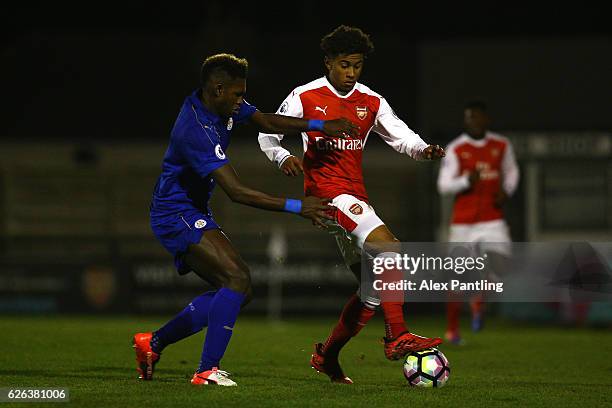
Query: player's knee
(371,302)
(248,296)
(238,278)
(369,297)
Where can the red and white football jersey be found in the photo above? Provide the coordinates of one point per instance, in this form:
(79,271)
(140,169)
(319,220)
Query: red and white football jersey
(493,156)
(332,166)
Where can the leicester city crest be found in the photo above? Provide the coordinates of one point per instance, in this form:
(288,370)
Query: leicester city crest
(219,152)
(199,224)
(230,124)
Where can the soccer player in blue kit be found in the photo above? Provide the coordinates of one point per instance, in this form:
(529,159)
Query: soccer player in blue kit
(181,220)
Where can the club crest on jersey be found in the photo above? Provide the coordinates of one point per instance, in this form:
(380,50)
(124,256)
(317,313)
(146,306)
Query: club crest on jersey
(219,152)
(356,209)
(494,152)
(230,124)
(199,224)
(362,112)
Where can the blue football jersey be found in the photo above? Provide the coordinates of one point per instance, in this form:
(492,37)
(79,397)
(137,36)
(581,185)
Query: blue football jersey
(198,142)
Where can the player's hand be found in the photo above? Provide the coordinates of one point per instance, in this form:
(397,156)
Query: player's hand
(433,152)
(500,198)
(341,128)
(474,177)
(317,210)
(292,166)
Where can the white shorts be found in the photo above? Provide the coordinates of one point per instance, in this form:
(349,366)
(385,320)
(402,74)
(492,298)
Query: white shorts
(354,221)
(491,236)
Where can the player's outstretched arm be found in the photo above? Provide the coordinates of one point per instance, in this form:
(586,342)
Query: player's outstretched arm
(313,208)
(273,123)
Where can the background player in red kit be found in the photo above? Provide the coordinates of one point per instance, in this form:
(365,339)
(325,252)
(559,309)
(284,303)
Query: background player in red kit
(332,168)
(480,169)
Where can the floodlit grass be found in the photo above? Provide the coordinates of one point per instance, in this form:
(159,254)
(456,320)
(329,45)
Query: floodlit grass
(504,365)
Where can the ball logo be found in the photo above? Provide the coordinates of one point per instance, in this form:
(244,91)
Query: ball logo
(219,152)
(362,112)
(356,209)
(230,124)
(199,224)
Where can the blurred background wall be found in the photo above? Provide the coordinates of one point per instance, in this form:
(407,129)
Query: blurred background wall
(90,96)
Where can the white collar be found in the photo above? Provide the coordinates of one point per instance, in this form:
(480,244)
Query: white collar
(477,142)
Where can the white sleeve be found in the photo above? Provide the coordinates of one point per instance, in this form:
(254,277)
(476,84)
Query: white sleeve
(270,143)
(396,133)
(510,171)
(449,179)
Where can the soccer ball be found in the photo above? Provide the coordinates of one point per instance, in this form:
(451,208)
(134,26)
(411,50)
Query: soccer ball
(426,368)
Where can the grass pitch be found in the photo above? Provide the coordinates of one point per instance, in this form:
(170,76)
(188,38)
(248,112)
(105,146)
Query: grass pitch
(504,365)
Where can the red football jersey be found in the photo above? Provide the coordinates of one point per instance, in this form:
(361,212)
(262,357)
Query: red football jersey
(493,157)
(333,166)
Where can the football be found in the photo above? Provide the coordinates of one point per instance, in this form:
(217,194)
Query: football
(426,368)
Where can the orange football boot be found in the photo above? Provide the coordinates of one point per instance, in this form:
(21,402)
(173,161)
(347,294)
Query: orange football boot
(329,366)
(406,342)
(145,357)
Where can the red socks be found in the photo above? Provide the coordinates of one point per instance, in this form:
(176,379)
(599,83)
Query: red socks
(453,309)
(354,317)
(476,305)
(394,318)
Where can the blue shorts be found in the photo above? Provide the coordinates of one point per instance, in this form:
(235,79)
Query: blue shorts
(177,231)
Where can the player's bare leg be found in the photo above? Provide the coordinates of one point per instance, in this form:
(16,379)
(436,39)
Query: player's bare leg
(398,340)
(216,261)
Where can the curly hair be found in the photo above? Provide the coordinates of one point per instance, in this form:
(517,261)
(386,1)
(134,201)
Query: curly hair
(346,40)
(478,104)
(229,64)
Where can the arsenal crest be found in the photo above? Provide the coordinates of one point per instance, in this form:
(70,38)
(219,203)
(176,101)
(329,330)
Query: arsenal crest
(356,209)
(362,112)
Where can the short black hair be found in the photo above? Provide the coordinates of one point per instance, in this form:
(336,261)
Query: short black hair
(478,104)
(346,40)
(229,64)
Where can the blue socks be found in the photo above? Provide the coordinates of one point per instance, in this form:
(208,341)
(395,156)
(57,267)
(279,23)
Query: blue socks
(189,321)
(222,314)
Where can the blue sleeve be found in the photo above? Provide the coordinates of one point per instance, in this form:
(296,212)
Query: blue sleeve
(246,111)
(201,151)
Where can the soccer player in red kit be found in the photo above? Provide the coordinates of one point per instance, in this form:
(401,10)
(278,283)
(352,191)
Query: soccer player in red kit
(480,169)
(332,168)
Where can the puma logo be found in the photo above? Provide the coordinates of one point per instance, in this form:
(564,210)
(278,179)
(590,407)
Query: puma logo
(228,328)
(318,108)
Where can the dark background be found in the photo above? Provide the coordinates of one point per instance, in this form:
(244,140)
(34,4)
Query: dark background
(120,71)
(91,91)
